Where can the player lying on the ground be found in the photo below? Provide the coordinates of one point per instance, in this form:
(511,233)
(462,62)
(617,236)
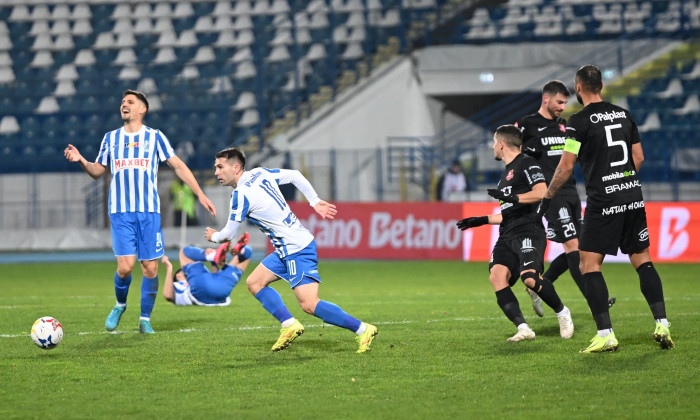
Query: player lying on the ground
(195,284)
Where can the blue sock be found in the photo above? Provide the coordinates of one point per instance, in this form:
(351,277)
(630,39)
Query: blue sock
(332,314)
(121,287)
(149,291)
(194,253)
(245,254)
(272,302)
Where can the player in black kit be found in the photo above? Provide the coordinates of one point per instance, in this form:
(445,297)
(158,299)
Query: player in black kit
(606,141)
(544,134)
(519,251)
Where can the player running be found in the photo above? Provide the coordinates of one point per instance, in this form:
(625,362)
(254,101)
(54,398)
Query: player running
(257,197)
(519,250)
(606,142)
(195,284)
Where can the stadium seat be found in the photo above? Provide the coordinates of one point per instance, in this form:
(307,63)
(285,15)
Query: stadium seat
(65,88)
(48,105)
(81,11)
(9,125)
(7,75)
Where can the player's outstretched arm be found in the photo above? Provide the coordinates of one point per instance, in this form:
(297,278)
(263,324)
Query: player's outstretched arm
(561,174)
(93,169)
(471,222)
(326,210)
(184,173)
(168,288)
(226,234)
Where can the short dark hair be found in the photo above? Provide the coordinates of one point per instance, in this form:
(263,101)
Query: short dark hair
(510,135)
(553,87)
(175,273)
(233,153)
(590,78)
(140,95)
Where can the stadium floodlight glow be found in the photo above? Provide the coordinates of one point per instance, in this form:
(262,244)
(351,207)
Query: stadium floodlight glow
(486,77)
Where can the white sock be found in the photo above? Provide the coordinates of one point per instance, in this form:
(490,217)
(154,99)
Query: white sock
(288,322)
(121,305)
(664,321)
(210,256)
(563,312)
(605,333)
(144,318)
(524,326)
(362,329)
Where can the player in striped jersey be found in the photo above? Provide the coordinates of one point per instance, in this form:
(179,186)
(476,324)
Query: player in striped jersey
(257,197)
(195,284)
(133,153)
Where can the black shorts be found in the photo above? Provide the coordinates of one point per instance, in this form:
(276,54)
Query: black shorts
(624,227)
(519,253)
(564,218)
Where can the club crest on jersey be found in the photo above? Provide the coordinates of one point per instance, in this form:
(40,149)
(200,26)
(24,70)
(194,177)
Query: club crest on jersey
(562,128)
(510,175)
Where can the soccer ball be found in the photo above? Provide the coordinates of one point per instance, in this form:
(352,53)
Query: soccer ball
(47,332)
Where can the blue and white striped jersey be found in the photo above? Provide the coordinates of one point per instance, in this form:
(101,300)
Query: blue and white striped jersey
(133,159)
(257,197)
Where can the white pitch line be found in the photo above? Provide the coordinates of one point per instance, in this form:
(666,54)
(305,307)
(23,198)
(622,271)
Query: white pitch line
(406,321)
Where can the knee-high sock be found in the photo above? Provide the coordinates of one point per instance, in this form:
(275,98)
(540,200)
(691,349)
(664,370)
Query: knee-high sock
(509,305)
(194,253)
(557,267)
(574,259)
(653,291)
(596,292)
(272,302)
(149,291)
(121,287)
(549,295)
(332,314)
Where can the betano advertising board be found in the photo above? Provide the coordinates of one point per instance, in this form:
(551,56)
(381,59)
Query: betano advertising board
(420,230)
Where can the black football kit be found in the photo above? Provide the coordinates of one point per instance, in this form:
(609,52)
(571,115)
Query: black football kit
(615,215)
(544,139)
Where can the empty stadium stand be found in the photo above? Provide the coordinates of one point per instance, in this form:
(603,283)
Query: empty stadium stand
(221,73)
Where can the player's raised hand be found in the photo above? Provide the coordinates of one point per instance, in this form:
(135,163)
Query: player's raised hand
(72,154)
(166,261)
(207,204)
(326,210)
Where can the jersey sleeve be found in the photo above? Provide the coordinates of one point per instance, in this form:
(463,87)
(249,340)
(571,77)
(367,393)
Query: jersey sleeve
(634,131)
(240,206)
(182,298)
(163,147)
(103,155)
(533,173)
(575,132)
(291,176)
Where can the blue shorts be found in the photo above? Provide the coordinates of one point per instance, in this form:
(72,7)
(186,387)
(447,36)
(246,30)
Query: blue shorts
(208,287)
(137,234)
(297,269)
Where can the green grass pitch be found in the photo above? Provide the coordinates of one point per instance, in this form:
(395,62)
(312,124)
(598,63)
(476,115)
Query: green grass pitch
(441,351)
